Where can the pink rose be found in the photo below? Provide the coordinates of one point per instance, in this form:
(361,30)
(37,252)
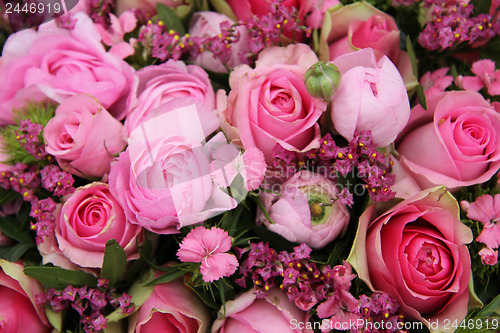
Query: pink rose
(58,63)
(274,313)
(488,256)
(207,24)
(306,210)
(83,137)
(416,253)
(171,308)
(166,178)
(87,220)
(371,97)
(270,104)
(19,311)
(169,86)
(456,142)
(357,26)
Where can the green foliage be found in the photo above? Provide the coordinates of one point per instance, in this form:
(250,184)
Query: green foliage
(169,18)
(39,113)
(59,278)
(114,262)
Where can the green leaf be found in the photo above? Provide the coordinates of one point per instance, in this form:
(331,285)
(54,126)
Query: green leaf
(170,19)
(15,230)
(421,97)
(14,253)
(208,300)
(60,278)
(114,262)
(412,55)
(6,196)
(171,274)
(481,6)
(489,309)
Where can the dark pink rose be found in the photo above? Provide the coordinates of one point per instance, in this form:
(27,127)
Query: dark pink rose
(270,104)
(58,63)
(87,220)
(83,137)
(246,311)
(19,311)
(169,86)
(416,253)
(171,308)
(360,25)
(456,142)
(306,210)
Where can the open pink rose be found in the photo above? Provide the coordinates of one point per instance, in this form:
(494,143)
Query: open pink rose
(371,97)
(58,63)
(83,137)
(456,142)
(416,253)
(357,26)
(19,311)
(171,308)
(274,313)
(306,210)
(169,86)
(270,104)
(207,24)
(164,180)
(87,220)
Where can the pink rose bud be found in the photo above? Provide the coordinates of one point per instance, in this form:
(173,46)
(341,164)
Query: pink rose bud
(488,256)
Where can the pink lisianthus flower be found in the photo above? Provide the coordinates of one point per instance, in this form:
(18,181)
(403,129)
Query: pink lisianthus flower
(486,209)
(208,246)
(486,76)
(436,82)
(488,256)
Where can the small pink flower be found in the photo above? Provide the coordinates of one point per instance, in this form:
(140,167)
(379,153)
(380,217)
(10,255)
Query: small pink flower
(208,246)
(436,82)
(488,256)
(486,209)
(486,76)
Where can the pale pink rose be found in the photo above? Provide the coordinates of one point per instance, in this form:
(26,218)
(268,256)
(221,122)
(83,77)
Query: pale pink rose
(171,308)
(456,142)
(416,253)
(488,256)
(169,86)
(87,220)
(209,247)
(371,97)
(164,178)
(357,26)
(274,313)
(83,136)
(207,24)
(486,210)
(19,311)
(306,210)
(270,104)
(405,186)
(147,6)
(58,63)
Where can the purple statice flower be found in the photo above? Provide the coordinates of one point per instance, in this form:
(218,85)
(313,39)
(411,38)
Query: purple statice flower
(57,181)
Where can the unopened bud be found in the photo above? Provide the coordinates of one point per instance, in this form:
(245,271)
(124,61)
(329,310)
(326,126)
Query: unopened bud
(322,80)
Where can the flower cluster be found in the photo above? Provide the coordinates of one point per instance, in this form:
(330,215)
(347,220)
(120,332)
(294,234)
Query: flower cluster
(29,136)
(90,303)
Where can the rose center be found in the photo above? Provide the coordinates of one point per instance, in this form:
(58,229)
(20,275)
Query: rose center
(426,260)
(284,102)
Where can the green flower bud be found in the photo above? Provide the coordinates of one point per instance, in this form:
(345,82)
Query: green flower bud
(322,80)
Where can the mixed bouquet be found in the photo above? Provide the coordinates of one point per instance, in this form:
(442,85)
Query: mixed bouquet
(249,166)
